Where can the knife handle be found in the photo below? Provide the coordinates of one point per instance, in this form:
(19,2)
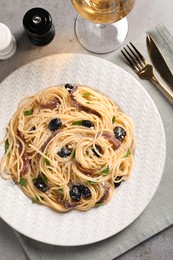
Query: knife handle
(159,62)
(162,88)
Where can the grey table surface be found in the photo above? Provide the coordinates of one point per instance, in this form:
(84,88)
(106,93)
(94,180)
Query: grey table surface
(146,14)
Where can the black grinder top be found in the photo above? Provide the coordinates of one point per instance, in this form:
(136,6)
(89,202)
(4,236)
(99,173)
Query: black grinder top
(38,24)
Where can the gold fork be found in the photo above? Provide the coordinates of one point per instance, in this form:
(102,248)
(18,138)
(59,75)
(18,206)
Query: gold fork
(143,69)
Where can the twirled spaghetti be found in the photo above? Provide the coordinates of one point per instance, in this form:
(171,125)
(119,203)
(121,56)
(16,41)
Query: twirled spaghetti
(68,147)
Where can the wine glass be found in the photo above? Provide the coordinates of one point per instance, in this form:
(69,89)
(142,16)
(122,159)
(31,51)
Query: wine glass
(101,26)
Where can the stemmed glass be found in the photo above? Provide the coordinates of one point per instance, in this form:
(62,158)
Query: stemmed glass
(101,25)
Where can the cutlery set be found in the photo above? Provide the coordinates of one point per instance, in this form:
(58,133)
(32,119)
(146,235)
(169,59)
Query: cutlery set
(145,70)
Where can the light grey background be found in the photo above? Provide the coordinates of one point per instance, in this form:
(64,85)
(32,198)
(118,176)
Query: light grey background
(145,15)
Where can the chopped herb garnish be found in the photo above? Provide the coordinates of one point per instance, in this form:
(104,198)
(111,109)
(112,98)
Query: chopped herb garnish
(23,182)
(47,162)
(127,153)
(42,198)
(105,171)
(86,94)
(44,178)
(38,198)
(60,190)
(113,119)
(35,199)
(73,154)
(88,102)
(6,145)
(98,204)
(91,182)
(28,112)
(78,122)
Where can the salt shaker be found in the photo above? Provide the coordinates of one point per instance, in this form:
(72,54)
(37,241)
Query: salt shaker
(38,24)
(7,43)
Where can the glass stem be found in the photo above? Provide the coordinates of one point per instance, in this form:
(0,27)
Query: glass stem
(101,25)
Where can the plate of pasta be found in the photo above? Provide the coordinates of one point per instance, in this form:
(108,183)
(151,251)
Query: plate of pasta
(80,157)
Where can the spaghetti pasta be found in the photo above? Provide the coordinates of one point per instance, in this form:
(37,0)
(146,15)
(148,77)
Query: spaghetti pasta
(68,147)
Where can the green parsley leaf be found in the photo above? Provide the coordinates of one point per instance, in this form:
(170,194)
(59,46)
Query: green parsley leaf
(47,162)
(88,102)
(105,171)
(86,94)
(73,154)
(127,153)
(43,176)
(28,112)
(42,198)
(91,182)
(78,122)
(60,190)
(6,145)
(37,198)
(113,119)
(98,204)
(23,182)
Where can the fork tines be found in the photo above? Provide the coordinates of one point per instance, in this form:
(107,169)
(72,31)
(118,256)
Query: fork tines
(134,57)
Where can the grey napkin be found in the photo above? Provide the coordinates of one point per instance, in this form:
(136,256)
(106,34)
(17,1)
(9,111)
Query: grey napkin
(159,213)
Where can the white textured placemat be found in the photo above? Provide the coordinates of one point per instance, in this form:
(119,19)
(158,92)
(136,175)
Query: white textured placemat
(159,213)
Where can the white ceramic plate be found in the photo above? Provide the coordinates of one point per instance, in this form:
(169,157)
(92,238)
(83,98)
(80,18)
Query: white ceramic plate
(131,198)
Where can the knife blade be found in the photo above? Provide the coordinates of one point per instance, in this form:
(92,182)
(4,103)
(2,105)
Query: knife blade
(159,62)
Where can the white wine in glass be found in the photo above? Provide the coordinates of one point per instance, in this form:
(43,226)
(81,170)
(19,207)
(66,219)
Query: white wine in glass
(102,26)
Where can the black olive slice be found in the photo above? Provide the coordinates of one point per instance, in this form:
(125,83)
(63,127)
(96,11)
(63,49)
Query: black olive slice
(33,128)
(97,150)
(55,124)
(69,87)
(119,133)
(64,152)
(85,191)
(117,184)
(87,123)
(40,185)
(77,191)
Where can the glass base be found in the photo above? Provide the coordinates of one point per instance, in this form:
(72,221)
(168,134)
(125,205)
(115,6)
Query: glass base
(100,38)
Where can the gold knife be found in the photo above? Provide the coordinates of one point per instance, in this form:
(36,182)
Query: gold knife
(159,62)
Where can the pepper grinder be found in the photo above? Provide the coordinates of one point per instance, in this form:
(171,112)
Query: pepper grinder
(38,25)
(7,43)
